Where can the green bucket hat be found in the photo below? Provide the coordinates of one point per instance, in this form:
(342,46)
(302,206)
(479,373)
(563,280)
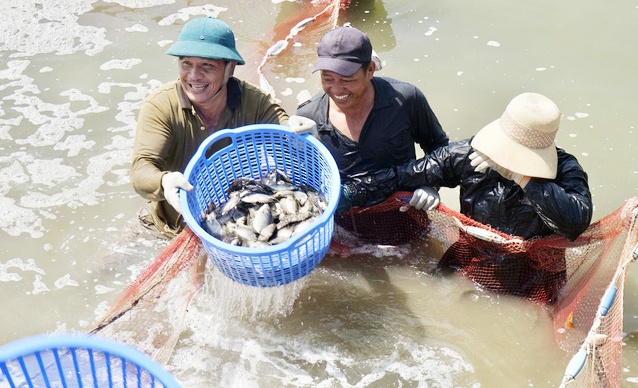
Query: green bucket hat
(206,38)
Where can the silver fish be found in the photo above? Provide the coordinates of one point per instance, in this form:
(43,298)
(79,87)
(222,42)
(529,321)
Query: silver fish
(289,204)
(263,212)
(267,232)
(262,218)
(258,198)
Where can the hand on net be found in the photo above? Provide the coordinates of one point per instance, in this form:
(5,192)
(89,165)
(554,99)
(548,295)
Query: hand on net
(425,198)
(481,162)
(301,125)
(171,183)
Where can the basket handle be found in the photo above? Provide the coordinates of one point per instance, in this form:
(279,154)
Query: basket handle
(233,133)
(215,138)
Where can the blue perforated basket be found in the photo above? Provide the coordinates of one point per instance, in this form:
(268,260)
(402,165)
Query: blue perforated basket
(72,360)
(254,151)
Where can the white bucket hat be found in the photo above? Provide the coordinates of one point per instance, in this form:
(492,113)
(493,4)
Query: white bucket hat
(522,140)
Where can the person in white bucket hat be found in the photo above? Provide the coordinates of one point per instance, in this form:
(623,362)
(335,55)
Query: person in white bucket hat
(178,116)
(513,178)
(511,174)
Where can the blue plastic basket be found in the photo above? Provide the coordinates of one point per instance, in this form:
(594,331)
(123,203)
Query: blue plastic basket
(254,151)
(72,360)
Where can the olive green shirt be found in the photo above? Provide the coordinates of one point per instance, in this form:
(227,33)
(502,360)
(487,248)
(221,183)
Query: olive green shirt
(169,132)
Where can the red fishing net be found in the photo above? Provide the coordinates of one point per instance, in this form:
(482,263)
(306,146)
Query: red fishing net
(574,280)
(569,278)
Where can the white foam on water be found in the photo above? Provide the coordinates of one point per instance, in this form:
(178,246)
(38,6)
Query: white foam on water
(286,92)
(298,80)
(74,144)
(17,220)
(185,14)
(140,3)
(101,289)
(6,269)
(136,28)
(65,281)
(303,95)
(38,286)
(51,122)
(121,64)
(31,28)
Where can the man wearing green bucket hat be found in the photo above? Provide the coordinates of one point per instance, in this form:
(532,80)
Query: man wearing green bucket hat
(177,117)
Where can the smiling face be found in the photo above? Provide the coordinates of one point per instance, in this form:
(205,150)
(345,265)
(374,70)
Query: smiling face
(202,78)
(347,92)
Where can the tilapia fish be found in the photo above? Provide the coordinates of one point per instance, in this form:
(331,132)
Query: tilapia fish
(261,213)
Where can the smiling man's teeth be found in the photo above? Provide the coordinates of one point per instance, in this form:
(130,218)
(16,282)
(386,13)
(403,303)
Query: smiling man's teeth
(342,98)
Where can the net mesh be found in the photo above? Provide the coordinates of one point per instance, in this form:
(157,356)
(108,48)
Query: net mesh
(572,279)
(576,281)
(157,300)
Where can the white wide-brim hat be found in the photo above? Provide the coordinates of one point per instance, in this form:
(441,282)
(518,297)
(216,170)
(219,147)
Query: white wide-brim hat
(522,140)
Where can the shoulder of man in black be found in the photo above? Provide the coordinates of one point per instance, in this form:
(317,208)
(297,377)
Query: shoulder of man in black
(402,87)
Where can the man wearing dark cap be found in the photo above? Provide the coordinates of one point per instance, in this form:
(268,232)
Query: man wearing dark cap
(177,117)
(368,123)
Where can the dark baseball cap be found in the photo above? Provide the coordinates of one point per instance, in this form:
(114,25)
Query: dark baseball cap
(343,50)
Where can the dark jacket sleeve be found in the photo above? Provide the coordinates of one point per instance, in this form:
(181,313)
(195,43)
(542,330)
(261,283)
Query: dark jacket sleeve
(565,203)
(562,205)
(443,167)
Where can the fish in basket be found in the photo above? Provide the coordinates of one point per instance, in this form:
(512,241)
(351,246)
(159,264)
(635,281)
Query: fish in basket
(262,172)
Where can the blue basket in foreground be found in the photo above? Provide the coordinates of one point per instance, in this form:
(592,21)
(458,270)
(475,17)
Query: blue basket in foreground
(254,151)
(72,360)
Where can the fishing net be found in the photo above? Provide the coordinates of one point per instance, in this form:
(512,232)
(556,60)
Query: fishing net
(150,313)
(580,282)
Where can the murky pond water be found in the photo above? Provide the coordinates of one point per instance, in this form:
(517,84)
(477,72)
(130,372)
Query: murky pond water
(73,75)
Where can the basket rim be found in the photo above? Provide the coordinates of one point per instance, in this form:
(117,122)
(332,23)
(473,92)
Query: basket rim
(294,241)
(31,345)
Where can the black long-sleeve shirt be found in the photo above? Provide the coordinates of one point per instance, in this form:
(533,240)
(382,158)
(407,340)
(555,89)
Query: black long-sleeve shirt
(400,117)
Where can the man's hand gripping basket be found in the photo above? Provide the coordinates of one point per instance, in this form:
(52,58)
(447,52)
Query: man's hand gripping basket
(255,151)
